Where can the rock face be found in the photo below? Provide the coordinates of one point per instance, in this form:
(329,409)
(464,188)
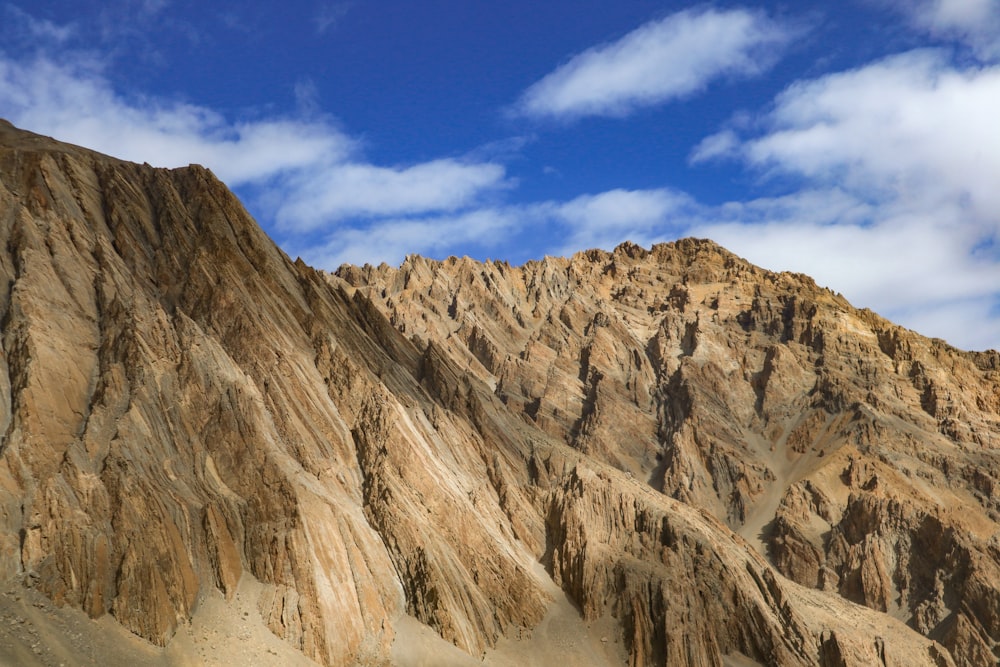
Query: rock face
(859,458)
(734,465)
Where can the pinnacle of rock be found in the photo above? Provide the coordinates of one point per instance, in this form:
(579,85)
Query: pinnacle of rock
(662,456)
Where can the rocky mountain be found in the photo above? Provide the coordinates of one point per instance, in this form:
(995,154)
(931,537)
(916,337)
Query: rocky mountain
(642,457)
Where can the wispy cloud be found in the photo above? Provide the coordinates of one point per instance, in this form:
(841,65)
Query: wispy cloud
(35,28)
(391,240)
(975,22)
(900,209)
(348,190)
(890,167)
(605,219)
(306,177)
(329,14)
(305,171)
(912,128)
(913,269)
(597,220)
(659,61)
(76,103)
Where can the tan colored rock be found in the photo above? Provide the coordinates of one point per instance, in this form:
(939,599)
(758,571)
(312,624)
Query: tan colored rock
(672,436)
(832,439)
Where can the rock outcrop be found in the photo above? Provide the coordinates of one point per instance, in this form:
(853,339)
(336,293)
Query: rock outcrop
(732,465)
(858,457)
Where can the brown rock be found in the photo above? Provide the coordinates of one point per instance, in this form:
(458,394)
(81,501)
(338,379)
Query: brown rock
(670,433)
(771,403)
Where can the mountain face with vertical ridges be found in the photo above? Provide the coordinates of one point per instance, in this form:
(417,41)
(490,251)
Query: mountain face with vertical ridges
(705,462)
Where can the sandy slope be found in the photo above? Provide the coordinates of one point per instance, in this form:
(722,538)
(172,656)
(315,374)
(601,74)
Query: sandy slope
(562,638)
(36,633)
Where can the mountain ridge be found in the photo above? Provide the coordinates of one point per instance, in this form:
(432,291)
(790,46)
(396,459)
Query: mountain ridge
(666,439)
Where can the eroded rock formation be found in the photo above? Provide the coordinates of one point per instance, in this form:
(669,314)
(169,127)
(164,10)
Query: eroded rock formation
(734,465)
(859,457)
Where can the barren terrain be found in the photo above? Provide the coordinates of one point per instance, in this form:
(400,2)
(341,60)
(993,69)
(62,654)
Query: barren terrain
(213,454)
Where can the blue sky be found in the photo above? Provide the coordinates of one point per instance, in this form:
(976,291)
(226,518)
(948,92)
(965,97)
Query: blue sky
(857,142)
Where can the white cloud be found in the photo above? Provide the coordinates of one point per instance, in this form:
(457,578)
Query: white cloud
(306,172)
(721,144)
(329,14)
(352,190)
(601,220)
(606,219)
(391,240)
(661,60)
(912,271)
(895,261)
(899,159)
(957,13)
(970,324)
(76,104)
(38,29)
(911,128)
(893,164)
(976,22)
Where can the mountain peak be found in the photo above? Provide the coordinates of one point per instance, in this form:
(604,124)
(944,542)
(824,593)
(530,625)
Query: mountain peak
(662,456)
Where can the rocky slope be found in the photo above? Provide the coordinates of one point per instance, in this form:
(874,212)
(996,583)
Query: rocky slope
(720,464)
(859,457)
